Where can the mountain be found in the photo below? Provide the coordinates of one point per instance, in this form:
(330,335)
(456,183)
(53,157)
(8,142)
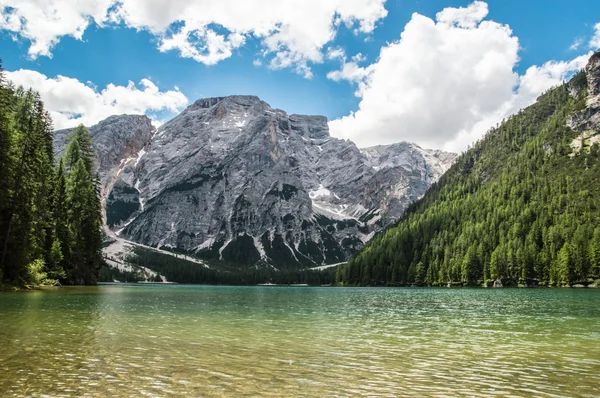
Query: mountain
(232,179)
(520,207)
(116,140)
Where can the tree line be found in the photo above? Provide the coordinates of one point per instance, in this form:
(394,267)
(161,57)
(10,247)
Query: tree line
(50,211)
(521,206)
(220,273)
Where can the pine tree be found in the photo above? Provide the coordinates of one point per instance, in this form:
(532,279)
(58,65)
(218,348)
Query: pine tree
(498,263)
(84,211)
(49,221)
(6,161)
(78,184)
(80,147)
(470,266)
(16,237)
(566,264)
(595,254)
(61,247)
(43,223)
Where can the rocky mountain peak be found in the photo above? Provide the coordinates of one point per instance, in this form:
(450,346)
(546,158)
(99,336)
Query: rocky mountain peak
(593,74)
(236,108)
(243,100)
(233,179)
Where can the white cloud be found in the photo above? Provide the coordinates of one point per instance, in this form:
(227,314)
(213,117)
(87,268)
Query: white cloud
(444,83)
(202,45)
(156,123)
(576,43)
(335,53)
(537,79)
(534,82)
(350,71)
(71,102)
(359,57)
(595,41)
(464,17)
(44,22)
(292,32)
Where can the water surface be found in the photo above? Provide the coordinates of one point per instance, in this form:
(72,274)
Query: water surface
(177,340)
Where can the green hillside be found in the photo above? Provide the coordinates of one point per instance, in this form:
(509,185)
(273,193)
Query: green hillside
(522,205)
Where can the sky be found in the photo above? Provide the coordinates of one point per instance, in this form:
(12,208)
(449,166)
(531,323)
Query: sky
(439,73)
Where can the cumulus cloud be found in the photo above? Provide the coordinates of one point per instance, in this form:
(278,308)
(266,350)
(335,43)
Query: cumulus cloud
(539,78)
(292,32)
(71,102)
(534,82)
(350,70)
(44,22)
(202,45)
(443,83)
(335,53)
(595,41)
(462,17)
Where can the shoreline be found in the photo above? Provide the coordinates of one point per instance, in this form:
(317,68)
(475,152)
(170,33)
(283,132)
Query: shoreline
(44,287)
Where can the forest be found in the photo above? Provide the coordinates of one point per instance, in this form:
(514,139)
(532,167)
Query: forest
(50,214)
(179,270)
(520,207)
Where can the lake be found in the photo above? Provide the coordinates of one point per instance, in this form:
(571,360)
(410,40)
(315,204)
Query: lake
(182,340)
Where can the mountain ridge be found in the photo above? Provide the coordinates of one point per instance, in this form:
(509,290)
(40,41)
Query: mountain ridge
(246,183)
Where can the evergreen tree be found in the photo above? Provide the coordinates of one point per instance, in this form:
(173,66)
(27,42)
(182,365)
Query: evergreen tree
(6,161)
(18,243)
(61,247)
(49,221)
(84,212)
(595,254)
(565,264)
(470,266)
(43,223)
(80,147)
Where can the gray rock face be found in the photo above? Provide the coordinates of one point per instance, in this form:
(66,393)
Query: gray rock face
(117,141)
(593,74)
(587,121)
(122,203)
(115,138)
(234,179)
(404,171)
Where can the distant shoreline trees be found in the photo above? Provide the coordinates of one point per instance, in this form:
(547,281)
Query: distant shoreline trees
(50,214)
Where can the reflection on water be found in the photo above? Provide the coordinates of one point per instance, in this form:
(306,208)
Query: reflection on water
(130,340)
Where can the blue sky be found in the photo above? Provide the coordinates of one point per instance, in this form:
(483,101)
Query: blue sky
(121,51)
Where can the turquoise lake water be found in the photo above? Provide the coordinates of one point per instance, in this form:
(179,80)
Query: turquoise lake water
(178,340)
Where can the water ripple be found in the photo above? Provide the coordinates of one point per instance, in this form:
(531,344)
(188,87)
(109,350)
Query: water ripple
(161,341)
